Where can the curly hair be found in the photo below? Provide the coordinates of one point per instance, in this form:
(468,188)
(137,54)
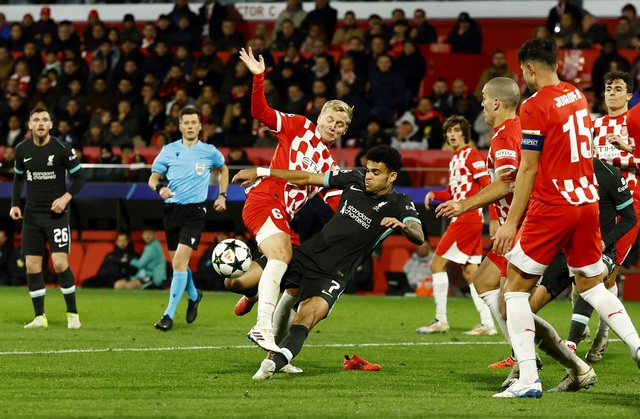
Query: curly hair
(387,155)
(465,126)
(540,50)
(625,77)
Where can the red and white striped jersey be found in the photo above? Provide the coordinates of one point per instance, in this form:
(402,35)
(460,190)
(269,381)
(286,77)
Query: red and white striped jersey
(606,152)
(504,154)
(300,147)
(467,175)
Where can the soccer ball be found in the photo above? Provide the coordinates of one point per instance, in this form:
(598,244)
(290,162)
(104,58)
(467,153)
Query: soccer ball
(231,258)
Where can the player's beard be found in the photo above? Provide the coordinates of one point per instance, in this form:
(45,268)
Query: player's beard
(40,140)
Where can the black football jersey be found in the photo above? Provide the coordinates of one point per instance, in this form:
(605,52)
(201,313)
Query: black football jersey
(45,169)
(614,196)
(352,233)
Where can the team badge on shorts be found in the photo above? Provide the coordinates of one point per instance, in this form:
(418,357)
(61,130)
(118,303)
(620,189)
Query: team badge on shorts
(200,169)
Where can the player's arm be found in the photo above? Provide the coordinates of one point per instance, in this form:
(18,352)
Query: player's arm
(297,177)
(260,110)
(623,201)
(77,183)
(493,192)
(411,229)
(18,181)
(220,204)
(522,191)
(155,184)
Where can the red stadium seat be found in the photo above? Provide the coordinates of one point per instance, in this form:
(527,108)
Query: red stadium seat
(94,255)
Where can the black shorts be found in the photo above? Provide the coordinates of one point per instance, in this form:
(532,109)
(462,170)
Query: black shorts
(556,278)
(183,224)
(312,282)
(39,228)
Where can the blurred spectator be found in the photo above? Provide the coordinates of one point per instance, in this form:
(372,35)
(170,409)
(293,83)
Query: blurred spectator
(174,81)
(316,33)
(75,92)
(541,32)
(205,79)
(110,174)
(594,31)
(211,15)
(399,34)
(556,12)
(466,36)
(88,36)
(373,136)
(151,267)
(407,136)
(99,97)
(323,14)
(14,134)
(108,53)
(130,51)
(29,28)
(629,10)
(136,172)
(16,40)
(567,27)
(295,101)
(323,71)
(579,41)
(165,30)
(32,57)
(68,38)
(185,60)
(95,135)
(231,40)
(128,118)
(51,63)
(116,265)
(45,24)
(181,9)
(5,29)
(149,34)
(210,58)
(314,107)
(378,48)
(262,31)
(429,122)
(6,64)
(412,67)
(160,139)
(236,85)
(355,49)
(129,31)
(418,267)
(387,95)
(8,160)
(23,77)
(441,98)
(462,94)
(624,36)
(349,29)
(63,133)
(274,99)
(609,57)
(422,32)
(238,157)
(155,119)
(237,126)
(159,61)
(77,119)
(45,93)
(358,125)
(115,138)
(292,12)
(286,36)
(498,68)
(186,36)
(351,75)
(376,29)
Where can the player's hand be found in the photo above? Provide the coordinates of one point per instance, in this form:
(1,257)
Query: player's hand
(427,199)
(391,222)
(509,176)
(604,246)
(619,143)
(248,176)
(449,209)
(60,204)
(493,227)
(221,204)
(15,213)
(166,193)
(255,66)
(503,239)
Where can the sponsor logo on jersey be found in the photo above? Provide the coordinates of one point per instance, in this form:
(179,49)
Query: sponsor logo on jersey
(27,159)
(478,164)
(411,206)
(31,176)
(505,154)
(353,188)
(357,215)
(379,206)
(624,186)
(50,160)
(200,168)
(73,154)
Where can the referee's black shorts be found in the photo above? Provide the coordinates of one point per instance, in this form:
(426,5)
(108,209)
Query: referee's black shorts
(183,224)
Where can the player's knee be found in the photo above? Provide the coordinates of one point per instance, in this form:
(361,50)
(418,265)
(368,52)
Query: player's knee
(438,264)
(33,267)
(60,266)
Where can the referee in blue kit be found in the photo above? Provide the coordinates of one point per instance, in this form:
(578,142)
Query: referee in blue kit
(186,164)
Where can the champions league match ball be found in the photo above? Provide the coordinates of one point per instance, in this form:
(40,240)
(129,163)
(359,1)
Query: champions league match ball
(231,258)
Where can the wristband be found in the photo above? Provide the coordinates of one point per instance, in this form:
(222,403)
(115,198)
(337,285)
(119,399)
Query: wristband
(159,187)
(263,172)
(223,194)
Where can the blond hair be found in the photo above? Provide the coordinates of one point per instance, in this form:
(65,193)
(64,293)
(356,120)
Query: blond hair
(338,106)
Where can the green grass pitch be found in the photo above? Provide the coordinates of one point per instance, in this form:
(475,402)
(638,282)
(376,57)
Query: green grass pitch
(118,365)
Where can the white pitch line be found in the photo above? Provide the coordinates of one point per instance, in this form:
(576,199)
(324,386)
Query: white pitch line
(200,348)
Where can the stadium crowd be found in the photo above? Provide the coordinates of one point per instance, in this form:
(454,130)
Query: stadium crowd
(124,84)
